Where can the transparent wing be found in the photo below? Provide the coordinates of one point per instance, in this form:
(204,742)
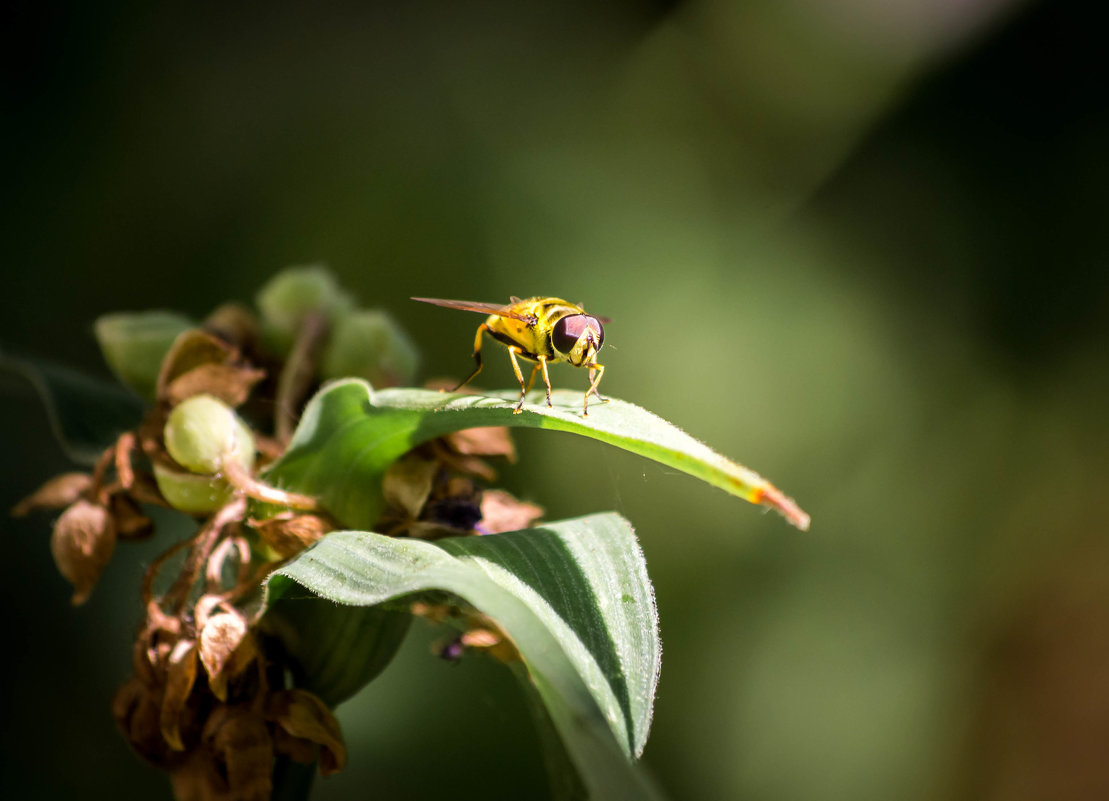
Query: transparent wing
(499,309)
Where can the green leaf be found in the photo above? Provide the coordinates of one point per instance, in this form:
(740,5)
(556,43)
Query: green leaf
(86,414)
(349,435)
(337,650)
(134,345)
(574,598)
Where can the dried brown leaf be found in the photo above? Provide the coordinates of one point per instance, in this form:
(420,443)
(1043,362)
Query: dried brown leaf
(198,363)
(190,350)
(229,383)
(226,648)
(198,778)
(57,493)
(180,677)
(137,712)
(481,638)
(501,512)
(468,465)
(436,613)
(485,635)
(234,324)
(130,522)
(304,715)
(82,544)
(240,741)
(296,749)
(407,484)
(290,533)
(489,441)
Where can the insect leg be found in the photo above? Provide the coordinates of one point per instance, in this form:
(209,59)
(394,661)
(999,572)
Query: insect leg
(481,329)
(512,351)
(600,368)
(546,378)
(593,387)
(531,380)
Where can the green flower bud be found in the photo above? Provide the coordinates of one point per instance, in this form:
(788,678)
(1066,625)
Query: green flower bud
(370,345)
(294,293)
(203,432)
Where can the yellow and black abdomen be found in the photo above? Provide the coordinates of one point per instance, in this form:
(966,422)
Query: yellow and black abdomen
(519,334)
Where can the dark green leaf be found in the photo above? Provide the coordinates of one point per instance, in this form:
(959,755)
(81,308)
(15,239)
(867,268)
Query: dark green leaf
(574,599)
(336,649)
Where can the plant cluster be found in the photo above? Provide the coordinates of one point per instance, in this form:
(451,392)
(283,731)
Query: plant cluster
(234,676)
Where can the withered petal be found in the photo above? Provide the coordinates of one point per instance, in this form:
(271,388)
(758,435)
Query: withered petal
(436,613)
(192,349)
(57,493)
(468,465)
(229,383)
(82,544)
(481,638)
(501,512)
(289,533)
(198,778)
(226,648)
(304,715)
(180,677)
(407,484)
(137,712)
(489,441)
(234,324)
(131,523)
(296,749)
(487,637)
(240,739)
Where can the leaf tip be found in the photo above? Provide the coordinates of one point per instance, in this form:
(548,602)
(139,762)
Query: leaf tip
(774,498)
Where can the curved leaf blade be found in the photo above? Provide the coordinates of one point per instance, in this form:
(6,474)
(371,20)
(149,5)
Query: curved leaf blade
(573,596)
(86,414)
(349,435)
(335,650)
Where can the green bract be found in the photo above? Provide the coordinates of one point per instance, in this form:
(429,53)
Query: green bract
(134,345)
(191,493)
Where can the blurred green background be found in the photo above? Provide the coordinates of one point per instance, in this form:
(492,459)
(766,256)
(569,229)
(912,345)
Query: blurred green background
(858,245)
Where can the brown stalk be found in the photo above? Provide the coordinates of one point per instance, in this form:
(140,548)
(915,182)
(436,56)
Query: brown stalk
(241,479)
(298,373)
(202,546)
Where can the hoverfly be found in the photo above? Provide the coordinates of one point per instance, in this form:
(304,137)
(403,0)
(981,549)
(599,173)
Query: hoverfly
(541,330)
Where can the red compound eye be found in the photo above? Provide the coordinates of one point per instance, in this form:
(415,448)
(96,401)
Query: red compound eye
(570,329)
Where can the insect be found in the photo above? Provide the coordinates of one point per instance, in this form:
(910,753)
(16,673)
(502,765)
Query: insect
(541,330)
